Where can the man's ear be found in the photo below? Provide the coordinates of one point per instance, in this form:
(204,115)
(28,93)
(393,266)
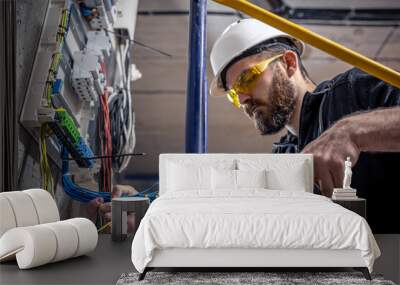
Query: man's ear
(291,64)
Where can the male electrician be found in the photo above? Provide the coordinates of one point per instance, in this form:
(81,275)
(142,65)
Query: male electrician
(354,114)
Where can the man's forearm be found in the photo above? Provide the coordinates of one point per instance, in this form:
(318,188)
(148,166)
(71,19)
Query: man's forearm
(377,130)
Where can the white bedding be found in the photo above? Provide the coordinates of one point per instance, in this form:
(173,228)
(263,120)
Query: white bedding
(251,218)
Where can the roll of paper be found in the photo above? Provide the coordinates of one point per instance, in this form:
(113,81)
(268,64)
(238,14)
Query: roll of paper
(7,217)
(87,235)
(23,208)
(33,246)
(67,240)
(45,205)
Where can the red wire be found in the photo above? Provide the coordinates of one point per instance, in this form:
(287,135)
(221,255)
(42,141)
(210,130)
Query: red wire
(105,142)
(105,138)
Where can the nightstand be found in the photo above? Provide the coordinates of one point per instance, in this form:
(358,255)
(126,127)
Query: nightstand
(358,205)
(120,208)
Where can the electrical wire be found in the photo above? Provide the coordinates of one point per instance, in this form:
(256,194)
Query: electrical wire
(77,193)
(47,178)
(115,121)
(108,156)
(105,144)
(105,140)
(139,43)
(45,171)
(102,228)
(85,195)
(121,113)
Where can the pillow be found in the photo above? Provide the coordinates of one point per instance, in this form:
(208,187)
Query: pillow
(183,177)
(223,179)
(284,172)
(193,174)
(251,178)
(291,180)
(235,179)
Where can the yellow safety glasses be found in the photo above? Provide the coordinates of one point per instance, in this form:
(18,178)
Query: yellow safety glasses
(246,80)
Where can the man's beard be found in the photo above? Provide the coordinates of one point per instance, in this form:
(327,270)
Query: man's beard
(271,117)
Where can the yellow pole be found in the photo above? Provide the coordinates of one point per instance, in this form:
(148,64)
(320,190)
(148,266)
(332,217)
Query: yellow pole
(331,47)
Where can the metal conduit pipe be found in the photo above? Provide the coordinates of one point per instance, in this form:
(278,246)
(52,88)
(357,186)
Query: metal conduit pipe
(331,47)
(205,88)
(205,110)
(196,95)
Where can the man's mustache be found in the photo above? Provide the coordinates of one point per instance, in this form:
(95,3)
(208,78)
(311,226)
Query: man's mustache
(250,106)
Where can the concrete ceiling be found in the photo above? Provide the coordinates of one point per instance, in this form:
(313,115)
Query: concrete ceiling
(160,95)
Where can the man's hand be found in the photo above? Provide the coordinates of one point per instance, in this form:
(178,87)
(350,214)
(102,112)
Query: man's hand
(105,208)
(119,190)
(376,131)
(330,151)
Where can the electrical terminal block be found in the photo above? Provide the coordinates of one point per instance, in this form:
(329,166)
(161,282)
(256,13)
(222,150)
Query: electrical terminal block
(69,136)
(84,89)
(64,140)
(84,152)
(87,76)
(87,62)
(79,150)
(66,122)
(57,87)
(45,114)
(99,43)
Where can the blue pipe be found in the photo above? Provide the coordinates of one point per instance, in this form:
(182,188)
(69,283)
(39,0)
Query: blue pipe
(205,111)
(196,88)
(205,86)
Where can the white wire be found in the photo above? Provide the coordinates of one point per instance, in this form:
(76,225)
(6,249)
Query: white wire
(127,133)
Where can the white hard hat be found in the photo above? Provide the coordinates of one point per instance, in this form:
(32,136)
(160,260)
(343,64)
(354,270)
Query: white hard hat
(237,38)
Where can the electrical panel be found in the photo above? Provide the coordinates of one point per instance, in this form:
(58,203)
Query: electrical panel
(81,72)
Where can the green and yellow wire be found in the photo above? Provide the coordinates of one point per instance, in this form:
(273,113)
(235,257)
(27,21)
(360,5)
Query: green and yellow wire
(104,227)
(47,178)
(62,27)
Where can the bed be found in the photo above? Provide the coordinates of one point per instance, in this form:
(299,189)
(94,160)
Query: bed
(245,211)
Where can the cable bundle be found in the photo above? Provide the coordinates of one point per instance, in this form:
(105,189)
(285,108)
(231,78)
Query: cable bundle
(148,193)
(47,179)
(121,115)
(105,143)
(63,25)
(122,130)
(74,191)
(85,195)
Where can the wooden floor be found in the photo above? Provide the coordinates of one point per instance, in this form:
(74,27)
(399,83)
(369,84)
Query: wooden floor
(103,266)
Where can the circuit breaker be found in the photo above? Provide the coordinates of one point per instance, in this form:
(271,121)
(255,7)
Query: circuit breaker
(78,68)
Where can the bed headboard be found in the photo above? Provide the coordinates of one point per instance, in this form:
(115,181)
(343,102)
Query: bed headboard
(287,165)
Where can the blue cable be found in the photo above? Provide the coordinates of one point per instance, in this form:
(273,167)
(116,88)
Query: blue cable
(74,191)
(85,195)
(152,195)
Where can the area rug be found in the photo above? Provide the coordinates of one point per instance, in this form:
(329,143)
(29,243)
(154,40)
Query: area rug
(243,278)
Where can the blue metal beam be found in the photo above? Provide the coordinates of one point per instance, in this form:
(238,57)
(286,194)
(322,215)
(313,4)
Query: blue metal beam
(196,101)
(205,112)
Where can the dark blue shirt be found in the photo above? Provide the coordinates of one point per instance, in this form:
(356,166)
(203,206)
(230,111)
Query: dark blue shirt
(376,176)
